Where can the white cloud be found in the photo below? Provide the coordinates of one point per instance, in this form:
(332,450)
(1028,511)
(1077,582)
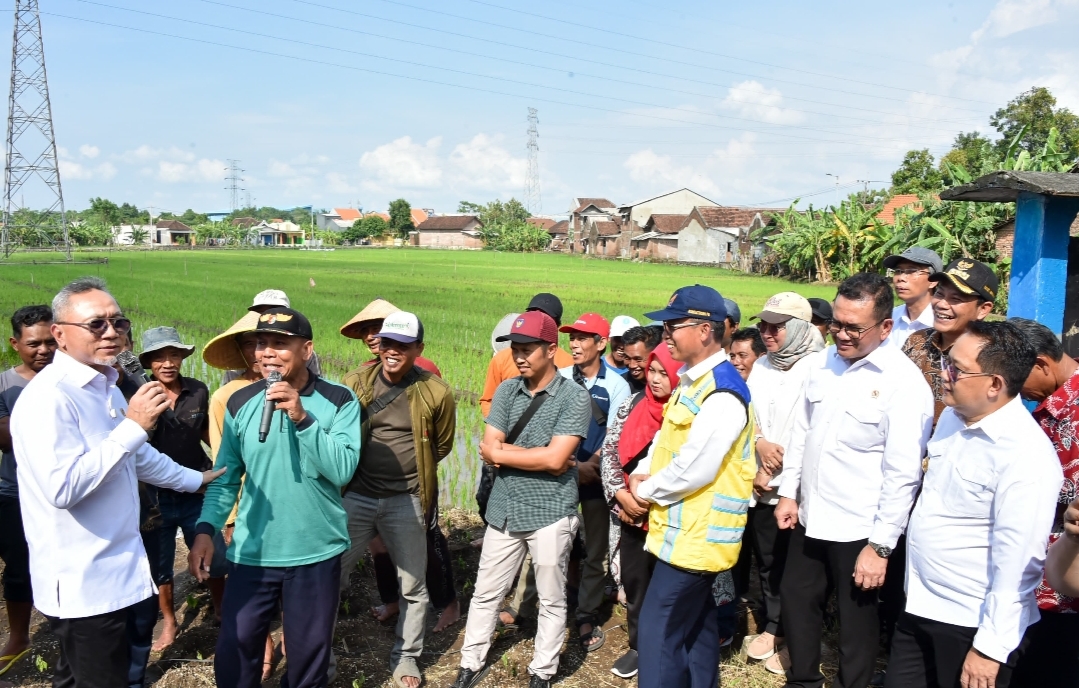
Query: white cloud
(281,169)
(338,183)
(482,163)
(660,171)
(1012,16)
(404,163)
(203,170)
(754,100)
(70,169)
(89,151)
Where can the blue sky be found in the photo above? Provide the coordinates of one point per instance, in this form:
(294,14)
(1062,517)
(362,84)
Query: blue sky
(340,102)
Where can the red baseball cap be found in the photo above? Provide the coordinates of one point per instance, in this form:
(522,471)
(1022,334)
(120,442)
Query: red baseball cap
(589,323)
(532,326)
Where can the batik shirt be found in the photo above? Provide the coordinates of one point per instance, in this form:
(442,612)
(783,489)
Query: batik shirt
(1058,416)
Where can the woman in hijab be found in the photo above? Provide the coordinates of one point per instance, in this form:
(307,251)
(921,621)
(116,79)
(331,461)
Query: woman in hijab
(629,436)
(775,385)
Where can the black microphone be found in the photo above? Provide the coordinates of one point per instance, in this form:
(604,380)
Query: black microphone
(268,406)
(134,370)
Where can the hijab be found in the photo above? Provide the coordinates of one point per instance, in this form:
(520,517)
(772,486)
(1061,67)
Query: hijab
(644,420)
(803,338)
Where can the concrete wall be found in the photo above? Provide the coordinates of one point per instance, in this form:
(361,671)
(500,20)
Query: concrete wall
(448,238)
(656,249)
(697,244)
(679,203)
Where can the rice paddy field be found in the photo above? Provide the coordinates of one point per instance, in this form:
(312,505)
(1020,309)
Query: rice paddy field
(459,296)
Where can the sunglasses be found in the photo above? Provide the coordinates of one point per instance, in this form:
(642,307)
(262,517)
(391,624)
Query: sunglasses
(99,326)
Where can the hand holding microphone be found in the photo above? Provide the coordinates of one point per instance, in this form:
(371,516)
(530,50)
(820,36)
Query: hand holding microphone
(281,396)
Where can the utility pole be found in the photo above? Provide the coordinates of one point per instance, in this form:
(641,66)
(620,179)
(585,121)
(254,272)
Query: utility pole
(234,179)
(836,206)
(533,201)
(31,143)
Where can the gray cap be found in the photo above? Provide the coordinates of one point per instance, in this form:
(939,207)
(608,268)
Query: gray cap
(919,255)
(160,338)
(733,311)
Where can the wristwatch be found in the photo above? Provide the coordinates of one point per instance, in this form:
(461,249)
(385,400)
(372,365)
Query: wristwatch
(882,551)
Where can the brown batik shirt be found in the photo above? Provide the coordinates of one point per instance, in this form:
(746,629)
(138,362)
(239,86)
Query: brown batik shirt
(924,348)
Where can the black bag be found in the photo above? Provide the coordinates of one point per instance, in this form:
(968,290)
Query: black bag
(488,473)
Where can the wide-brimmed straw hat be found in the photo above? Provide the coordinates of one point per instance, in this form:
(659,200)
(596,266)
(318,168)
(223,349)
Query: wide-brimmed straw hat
(378,309)
(223,351)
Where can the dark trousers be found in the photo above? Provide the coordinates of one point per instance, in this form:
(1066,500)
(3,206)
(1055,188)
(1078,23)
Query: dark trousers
(815,568)
(94,651)
(893,596)
(308,595)
(637,566)
(769,545)
(679,642)
(15,552)
(930,654)
(441,586)
(1051,657)
(141,619)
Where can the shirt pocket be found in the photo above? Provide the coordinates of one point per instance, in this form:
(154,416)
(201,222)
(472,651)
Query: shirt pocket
(860,428)
(970,491)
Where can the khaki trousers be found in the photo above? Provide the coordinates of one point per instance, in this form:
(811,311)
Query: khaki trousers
(503,553)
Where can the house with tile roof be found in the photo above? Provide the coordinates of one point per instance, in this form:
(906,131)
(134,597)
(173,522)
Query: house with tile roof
(172,233)
(679,202)
(721,235)
(659,240)
(559,232)
(583,211)
(448,231)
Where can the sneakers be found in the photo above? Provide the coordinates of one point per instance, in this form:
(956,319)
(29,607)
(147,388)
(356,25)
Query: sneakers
(537,682)
(779,663)
(761,647)
(466,678)
(626,665)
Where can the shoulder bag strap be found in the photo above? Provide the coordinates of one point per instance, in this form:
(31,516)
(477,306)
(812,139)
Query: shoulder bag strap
(538,400)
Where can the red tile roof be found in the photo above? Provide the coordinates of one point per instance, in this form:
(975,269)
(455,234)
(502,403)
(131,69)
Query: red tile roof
(384,216)
(419,216)
(665,223)
(598,202)
(561,227)
(887,213)
(541,222)
(444,222)
(606,228)
(725,216)
(172,226)
(348,213)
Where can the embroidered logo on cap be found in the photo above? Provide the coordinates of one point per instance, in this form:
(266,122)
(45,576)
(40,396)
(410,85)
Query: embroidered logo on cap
(272,318)
(520,323)
(673,297)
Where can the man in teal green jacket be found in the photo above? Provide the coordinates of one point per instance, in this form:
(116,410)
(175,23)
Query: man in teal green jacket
(291,528)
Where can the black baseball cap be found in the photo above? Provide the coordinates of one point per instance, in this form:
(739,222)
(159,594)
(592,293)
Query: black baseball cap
(970,277)
(821,308)
(549,304)
(698,301)
(285,321)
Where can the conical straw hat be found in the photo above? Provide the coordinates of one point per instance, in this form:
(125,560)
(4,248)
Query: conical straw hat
(223,351)
(378,309)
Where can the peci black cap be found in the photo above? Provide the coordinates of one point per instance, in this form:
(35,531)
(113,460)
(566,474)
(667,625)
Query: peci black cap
(971,277)
(547,303)
(285,321)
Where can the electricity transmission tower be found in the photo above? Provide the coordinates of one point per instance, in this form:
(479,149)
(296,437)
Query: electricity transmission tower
(533,201)
(234,179)
(31,144)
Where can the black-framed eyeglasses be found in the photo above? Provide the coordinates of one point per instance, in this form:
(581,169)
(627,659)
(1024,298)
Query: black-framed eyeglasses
(907,272)
(99,326)
(669,329)
(852,331)
(954,372)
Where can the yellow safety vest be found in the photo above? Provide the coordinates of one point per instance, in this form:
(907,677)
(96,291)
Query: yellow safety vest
(703,531)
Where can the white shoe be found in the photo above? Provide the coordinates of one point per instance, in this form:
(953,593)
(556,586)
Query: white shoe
(761,646)
(779,663)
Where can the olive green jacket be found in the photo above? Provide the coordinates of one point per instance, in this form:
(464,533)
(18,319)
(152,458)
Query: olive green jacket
(434,422)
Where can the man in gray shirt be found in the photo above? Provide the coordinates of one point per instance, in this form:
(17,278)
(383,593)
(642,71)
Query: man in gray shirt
(33,342)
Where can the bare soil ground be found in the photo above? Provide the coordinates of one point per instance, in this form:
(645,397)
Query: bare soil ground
(363,645)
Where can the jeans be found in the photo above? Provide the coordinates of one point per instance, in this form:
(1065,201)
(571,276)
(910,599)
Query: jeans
(399,520)
(679,637)
(178,510)
(440,583)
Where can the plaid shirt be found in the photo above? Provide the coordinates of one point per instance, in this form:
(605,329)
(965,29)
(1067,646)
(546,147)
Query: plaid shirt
(1058,415)
(523,501)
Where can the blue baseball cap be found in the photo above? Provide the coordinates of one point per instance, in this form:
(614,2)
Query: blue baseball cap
(697,301)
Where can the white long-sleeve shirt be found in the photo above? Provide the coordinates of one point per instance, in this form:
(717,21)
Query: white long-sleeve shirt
(775,393)
(715,428)
(977,538)
(79,463)
(855,458)
(903,326)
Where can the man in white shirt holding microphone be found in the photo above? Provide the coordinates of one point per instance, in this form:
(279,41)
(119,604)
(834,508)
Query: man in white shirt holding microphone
(849,479)
(82,451)
(977,538)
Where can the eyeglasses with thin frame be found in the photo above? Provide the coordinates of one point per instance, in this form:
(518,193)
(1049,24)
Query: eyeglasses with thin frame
(855,333)
(99,326)
(954,372)
(907,272)
(669,329)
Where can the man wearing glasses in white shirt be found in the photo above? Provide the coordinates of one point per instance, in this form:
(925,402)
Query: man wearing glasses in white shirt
(911,272)
(849,479)
(977,538)
(81,451)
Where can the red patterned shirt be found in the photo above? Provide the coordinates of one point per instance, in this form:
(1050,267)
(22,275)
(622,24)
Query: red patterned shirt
(1059,417)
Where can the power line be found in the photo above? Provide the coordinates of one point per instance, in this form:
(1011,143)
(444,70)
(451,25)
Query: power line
(533,200)
(466,73)
(31,142)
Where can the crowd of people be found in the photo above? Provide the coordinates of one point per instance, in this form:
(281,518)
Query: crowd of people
(905,472)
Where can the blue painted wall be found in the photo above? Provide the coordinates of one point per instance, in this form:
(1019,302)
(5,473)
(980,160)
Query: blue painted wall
(1040,258)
